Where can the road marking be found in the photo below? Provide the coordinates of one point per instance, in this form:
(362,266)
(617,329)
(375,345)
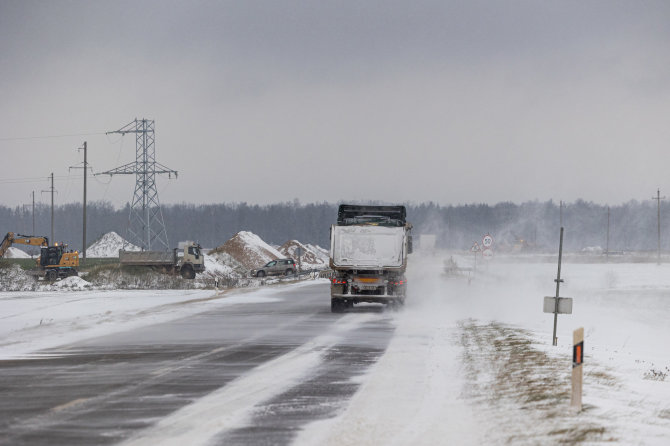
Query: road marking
(70,405)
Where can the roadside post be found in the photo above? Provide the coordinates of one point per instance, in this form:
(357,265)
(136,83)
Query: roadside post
(298,251)
(577,372)
(475,249)
(558,305)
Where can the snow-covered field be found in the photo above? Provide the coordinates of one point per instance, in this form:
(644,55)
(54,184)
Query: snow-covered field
(470,363)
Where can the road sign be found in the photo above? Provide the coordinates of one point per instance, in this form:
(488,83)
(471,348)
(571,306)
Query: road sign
(564,305)
(475,247)
(487,241)
(487,253)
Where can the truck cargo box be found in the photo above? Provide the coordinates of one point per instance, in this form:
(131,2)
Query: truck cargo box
(368,246)
(147,258)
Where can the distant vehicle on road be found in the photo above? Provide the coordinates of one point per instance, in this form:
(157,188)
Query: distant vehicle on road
(276,268)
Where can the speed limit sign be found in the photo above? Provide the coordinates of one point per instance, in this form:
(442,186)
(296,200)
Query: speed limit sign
(487,241)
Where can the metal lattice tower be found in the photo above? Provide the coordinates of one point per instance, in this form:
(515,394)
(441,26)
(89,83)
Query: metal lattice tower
(146,227)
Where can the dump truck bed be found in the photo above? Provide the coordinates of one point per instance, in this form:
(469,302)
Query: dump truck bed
(367,246)
(147,258)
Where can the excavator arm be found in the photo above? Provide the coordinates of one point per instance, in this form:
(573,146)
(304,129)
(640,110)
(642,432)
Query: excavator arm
(12,238)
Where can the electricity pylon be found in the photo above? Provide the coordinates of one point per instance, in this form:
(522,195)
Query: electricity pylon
(146,227)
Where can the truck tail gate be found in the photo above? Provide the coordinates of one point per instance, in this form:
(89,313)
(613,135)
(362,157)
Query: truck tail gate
(367,246)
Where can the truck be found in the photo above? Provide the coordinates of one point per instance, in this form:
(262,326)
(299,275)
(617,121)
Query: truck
(54,261)
(186,260)
(368,256)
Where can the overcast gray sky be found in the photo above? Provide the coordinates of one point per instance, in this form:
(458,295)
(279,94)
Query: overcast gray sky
(268,101)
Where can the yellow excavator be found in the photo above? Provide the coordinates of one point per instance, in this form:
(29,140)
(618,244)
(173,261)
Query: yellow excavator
(54,261)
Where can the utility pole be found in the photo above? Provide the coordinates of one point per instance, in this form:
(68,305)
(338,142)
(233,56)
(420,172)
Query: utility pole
(560,207)
(33,233)
(83,244)
(53,239)
(658,199)
(607,246)
(51,189)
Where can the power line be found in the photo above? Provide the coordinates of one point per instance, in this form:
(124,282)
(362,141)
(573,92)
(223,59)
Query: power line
(36,179)
(21,138)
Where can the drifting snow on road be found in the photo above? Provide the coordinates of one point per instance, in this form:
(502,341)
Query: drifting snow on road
(35,321)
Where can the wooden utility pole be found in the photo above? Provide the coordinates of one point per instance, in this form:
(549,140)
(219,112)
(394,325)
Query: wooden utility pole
(33,233)
(51,189)
(658,199)
(83,243)
(83,247)
(53,239)
(607,246)
(561,212)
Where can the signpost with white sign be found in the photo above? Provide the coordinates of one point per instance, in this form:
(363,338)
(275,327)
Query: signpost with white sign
(564,305)
(561,305)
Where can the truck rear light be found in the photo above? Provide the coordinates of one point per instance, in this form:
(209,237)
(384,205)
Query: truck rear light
(339,282)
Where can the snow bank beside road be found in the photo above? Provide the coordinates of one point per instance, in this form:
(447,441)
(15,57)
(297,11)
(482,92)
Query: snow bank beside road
(473,364)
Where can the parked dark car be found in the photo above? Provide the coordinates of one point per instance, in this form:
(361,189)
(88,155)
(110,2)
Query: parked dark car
(276,268)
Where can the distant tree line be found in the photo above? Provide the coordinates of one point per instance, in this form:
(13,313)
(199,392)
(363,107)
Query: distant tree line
(633,225)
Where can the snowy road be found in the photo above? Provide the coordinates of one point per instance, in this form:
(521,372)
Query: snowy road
(464,363)
(239,374)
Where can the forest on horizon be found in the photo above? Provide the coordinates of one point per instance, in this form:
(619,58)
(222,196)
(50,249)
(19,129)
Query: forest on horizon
(632,225)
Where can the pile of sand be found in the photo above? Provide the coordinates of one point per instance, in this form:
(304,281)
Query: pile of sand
(308,258)
(249,250)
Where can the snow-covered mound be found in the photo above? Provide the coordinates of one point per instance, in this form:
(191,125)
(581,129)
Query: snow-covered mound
(320,252)
(248,249)
(16,253)
(13,278)
(72,282)
(310,256)
(108,246)
(222,264)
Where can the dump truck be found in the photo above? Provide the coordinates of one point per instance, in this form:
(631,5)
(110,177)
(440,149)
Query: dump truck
(54,261)
(368,256)
(186,260)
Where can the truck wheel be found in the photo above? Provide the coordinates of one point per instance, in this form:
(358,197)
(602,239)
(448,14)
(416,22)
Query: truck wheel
(52,275)
(260,274)
(288,272)
(187,272)
(337,306)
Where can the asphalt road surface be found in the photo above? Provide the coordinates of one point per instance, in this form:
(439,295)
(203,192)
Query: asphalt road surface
(241,374)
